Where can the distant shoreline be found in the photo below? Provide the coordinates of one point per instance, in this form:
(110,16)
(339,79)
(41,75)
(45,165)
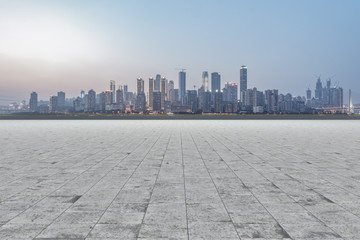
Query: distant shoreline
(179,117)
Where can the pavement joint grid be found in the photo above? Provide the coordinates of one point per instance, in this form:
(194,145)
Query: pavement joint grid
(179,179)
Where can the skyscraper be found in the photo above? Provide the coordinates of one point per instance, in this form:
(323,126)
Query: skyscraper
(61,98)
(192,100)
(140,103)
(112,89)
(308,94)
(205,81)
(218,102)
(126,95)
(318,89)
(163,89)
(182,86)
(243,82)
(230,92)
(271,100)
(157,82)
(53,104)
(120,97)
(215,82)
(151,90)
(33,102)
(91,101)
(171,91)
(139,86)
(108,97)
(157,101)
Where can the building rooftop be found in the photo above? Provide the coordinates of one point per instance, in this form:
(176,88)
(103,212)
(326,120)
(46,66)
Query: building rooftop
(171,179)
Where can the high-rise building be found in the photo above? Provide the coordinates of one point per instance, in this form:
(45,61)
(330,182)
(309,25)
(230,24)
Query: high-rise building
(205,81)
(243,82)
(120,97)
(259,100)
(249,98)
(112,89)
(336,97)
(271,100)
(61,99)
(192,100)
(102,97)
(126,95)
(151,90)
(139,86)
(308,94)
(215,82)
(218,102)
(140,103)
(163,89)
(77,105)
(182,86)
(33,102)
(108,97)
(53,106)
(91,101)
(170,91)
(318,89)
(157,101)
(230,92)
(157,82)
(206,102)
(176,95)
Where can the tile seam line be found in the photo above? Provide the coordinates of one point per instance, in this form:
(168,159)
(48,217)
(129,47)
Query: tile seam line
(152,190)
(60,186)
(289,174)
(280,189)
(217,190)
(89,188)
(183,167)
(125,181)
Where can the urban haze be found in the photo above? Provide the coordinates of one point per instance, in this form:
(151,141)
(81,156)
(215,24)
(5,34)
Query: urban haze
(179,120)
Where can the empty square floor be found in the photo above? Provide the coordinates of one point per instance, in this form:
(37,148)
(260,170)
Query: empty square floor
(170,179)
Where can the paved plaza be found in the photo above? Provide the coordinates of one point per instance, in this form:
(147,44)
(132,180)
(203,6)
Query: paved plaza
(171,179)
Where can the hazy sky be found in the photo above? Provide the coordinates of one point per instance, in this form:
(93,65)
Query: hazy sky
(48,46)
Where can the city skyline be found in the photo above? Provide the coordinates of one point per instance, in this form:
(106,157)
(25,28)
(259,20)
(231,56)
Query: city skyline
(70,46)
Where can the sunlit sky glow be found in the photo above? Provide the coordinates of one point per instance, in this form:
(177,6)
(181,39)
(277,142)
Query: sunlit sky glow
(49,46)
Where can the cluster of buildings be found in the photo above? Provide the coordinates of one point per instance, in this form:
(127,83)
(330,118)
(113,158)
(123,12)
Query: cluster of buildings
(162,97)
(327,97)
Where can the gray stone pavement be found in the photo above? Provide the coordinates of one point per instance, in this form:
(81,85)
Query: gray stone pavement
(179,179)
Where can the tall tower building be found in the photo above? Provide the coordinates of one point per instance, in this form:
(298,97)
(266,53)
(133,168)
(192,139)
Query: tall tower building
(318,89)
(139,86)
(53,104)
(308,94)
(91,101)
(350,102)
(120,96)
(157,82)
(157,101)
(112,89)
(151,90)
(243,82)
(205,81)
(163,89)
(61,98)
(182,86)
(215,82)
(170,91)
(33,102)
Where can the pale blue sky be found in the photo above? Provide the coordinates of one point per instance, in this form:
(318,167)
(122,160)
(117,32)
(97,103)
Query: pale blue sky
(48,46)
